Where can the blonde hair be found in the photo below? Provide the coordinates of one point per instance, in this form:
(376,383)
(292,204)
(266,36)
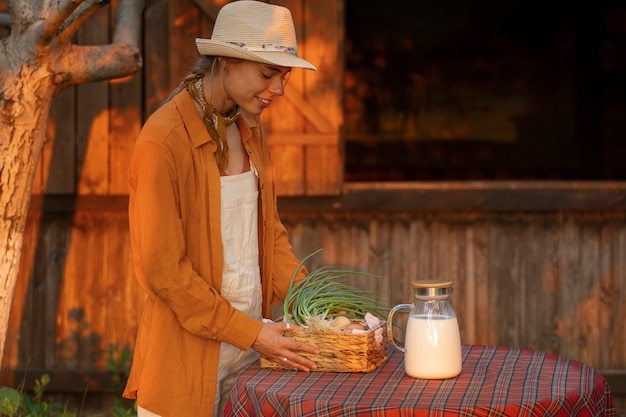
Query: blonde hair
(205,64)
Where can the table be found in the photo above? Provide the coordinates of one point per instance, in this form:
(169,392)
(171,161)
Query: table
(495,381)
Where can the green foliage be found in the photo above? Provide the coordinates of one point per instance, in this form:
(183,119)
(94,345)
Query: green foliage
(14,403)
(119,359)
(18,403)
(10,401)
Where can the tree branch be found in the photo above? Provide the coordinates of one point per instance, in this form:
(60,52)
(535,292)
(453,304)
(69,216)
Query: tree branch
(128,25)
(77,64)
(51,25)
(85,64)
(76,19)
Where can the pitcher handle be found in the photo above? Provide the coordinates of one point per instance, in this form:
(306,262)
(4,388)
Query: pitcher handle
(390,324)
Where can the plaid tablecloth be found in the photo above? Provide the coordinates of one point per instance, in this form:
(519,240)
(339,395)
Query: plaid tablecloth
(495,381)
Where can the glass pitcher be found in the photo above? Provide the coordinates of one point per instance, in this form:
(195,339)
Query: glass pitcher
(432,342)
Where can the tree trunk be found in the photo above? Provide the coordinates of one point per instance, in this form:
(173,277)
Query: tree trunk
(22,130)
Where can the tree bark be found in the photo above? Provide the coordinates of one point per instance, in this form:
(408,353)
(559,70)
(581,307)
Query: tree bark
(37,60)
(20,146)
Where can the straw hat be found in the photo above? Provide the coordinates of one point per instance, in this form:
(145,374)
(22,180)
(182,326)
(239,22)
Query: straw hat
(254,31)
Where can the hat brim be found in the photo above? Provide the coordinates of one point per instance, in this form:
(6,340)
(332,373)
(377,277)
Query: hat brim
(283,59)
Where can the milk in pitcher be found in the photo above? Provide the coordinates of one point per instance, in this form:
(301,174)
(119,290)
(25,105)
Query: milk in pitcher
(433,346)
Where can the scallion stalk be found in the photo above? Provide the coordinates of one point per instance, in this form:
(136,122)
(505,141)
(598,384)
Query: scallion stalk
(322,295)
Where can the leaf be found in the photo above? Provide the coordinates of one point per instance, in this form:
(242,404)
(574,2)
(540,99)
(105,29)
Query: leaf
(10,400)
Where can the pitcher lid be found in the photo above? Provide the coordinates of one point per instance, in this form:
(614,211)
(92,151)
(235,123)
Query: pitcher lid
(431,284)
(432,289)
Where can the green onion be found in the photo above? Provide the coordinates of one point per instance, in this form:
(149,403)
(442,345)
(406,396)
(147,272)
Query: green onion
(322,295)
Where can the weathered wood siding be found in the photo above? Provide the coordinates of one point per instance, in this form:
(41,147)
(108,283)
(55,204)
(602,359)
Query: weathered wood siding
(554,282)
(76,295)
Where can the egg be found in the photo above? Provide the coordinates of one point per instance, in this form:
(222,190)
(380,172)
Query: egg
(341,321)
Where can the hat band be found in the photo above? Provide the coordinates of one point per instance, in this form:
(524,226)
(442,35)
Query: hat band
(266,48)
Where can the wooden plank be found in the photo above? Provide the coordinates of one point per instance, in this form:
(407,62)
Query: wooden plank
(309,139)
(318,117)
(503,268)
(416,197)
(616,379)
(183,28)
(122,297)
(126,121)
(493,278)
(588,283)
(56,171)
(551,283)
(72,204)
(479,279)
(283,120)
(395,234)
(568,331)
(209,8)
(93,116)
(322,170)
(288,165)
(468,290)
(38,296)
(323,45)
(618,313)
(156,82)
(20,317)
(288,160)
(541,283)
(95,229)
(534,196)
(612,270)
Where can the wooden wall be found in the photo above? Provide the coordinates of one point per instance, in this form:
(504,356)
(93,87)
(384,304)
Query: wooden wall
(553,282)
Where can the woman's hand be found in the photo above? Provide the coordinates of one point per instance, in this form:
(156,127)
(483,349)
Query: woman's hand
(272,345)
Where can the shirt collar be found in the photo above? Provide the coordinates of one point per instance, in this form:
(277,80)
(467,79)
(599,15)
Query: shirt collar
(197,131)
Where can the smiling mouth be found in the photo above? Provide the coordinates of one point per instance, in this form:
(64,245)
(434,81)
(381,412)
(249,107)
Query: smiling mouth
(265,101)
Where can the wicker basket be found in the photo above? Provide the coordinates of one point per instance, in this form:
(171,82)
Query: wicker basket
(341,352)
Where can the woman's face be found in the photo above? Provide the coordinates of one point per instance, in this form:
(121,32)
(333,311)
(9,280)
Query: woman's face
(253,85)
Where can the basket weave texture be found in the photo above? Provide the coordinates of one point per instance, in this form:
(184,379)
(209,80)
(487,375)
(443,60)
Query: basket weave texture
(341,352)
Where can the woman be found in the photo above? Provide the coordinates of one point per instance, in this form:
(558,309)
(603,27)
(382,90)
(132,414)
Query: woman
(208,246)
